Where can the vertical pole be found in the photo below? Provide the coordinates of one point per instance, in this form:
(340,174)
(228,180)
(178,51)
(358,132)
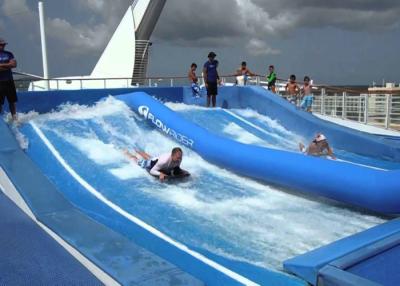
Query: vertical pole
(335,106)
(388,103)
(344,105)
(44,47)
(323,91)
(366,109)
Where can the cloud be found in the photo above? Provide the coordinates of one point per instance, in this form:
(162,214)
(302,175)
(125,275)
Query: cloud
(200,22)
(95,5)
(12,8)
(258,47)
(79,37)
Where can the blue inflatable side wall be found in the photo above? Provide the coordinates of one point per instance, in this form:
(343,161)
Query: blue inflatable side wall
(45,101)
(369,188)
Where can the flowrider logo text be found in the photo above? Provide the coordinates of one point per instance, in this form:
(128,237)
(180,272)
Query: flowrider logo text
(145,112)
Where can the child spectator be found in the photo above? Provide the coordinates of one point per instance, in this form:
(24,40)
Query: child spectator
(292,89)
(193,79)
(307,95)
(243,73)
(271,78)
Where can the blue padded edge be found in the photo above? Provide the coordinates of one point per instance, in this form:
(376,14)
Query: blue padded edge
(332,276)
(309,264)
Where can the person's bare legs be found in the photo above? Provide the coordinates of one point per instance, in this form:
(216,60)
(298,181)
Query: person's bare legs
(208,100)
(143,154)
(130,155)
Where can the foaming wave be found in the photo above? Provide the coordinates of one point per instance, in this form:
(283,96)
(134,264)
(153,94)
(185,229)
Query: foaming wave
(185,107)
(242,135)
(105,107)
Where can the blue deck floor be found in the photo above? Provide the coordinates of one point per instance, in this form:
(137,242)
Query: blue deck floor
(30,257)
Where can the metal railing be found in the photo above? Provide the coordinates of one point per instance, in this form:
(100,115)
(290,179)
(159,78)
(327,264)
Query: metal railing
(381,110)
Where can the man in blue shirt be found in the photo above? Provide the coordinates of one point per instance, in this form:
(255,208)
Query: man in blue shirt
(7,87)
(211,78)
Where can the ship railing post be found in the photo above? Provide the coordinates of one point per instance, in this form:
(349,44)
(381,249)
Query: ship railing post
(387,109)
(335,104)
(366,114)
(344,105)
(323,91)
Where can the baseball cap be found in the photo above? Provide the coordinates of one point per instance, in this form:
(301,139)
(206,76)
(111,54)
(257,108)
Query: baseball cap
(320,137)
(2,42)
(211,55)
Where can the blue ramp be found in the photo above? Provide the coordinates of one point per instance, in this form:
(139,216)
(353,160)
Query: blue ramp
(30,256)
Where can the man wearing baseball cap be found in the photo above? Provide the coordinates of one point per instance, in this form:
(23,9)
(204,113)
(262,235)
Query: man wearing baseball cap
(7,86)
(211,78)
(318,147)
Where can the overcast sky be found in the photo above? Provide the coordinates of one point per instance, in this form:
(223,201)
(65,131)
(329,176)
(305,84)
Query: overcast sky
(335,42)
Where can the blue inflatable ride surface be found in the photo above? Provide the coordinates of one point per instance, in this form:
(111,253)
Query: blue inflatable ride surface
(373,189)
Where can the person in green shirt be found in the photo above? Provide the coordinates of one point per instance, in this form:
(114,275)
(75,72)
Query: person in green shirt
(271,78)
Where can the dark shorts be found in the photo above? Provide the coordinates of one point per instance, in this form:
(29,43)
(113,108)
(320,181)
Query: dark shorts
(212,88)
(7,89)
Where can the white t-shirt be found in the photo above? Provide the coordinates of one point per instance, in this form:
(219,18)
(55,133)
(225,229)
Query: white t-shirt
(164,164)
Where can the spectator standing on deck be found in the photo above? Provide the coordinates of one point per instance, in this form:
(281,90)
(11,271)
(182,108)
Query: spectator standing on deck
(271,78)
(243,73)
(292,89)
(211,78)
(193,79)
(7,86)
(307,96)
